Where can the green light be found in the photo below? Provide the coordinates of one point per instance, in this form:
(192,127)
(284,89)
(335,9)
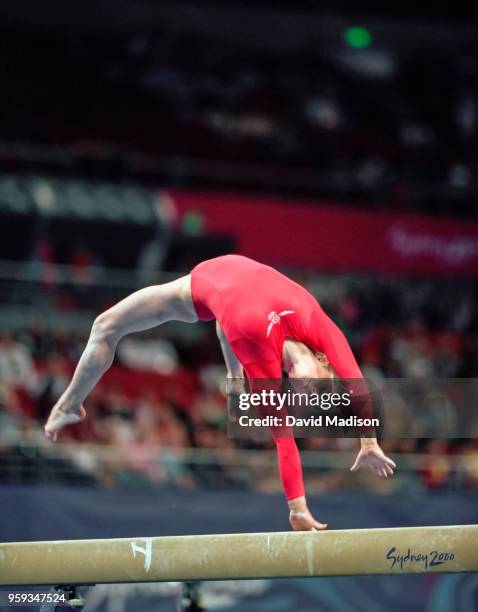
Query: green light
(358,37)
(193,223)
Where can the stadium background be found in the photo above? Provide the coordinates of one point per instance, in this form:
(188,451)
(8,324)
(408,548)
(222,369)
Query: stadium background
(138,138)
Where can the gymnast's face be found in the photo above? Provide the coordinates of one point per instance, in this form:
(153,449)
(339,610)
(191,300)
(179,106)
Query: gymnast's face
(301,363)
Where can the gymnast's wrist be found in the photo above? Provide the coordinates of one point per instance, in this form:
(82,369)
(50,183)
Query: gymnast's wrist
(298,504)
(368,442)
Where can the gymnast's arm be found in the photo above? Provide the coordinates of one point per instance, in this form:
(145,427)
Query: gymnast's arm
(290,467)
(233,365)
(141,310)
(341,358)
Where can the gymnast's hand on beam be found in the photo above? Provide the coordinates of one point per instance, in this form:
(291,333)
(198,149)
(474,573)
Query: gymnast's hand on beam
(372,455)
(62,414)
(300,517)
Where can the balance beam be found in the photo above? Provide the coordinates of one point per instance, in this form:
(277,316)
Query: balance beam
(405,550)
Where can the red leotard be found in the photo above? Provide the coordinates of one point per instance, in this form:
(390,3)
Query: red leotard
(257,308)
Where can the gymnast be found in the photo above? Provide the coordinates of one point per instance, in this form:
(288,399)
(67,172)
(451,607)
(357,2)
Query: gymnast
(266,324)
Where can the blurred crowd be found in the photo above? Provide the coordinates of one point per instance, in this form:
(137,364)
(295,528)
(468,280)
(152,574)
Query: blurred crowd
(324,117)
(166,394)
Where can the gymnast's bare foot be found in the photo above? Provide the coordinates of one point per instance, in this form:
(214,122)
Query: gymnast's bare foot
(62,415)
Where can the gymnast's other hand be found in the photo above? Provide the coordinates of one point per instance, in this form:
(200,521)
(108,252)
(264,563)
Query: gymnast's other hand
(300,517)
(372,455)
(63,413)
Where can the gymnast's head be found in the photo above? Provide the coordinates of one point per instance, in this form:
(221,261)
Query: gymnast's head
(302,363)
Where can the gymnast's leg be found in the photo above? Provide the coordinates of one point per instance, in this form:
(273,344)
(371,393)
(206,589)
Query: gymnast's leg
(141,310)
